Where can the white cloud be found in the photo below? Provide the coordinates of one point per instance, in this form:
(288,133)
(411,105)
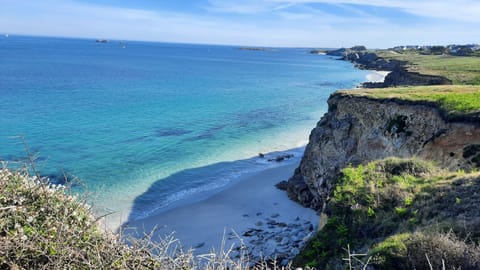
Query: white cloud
(289,23)
(460,10)
(244,6)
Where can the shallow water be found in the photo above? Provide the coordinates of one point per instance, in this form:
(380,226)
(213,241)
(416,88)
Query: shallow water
(124,117)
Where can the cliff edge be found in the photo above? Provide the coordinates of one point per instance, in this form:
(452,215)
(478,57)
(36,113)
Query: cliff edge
(359,128)
(399,74)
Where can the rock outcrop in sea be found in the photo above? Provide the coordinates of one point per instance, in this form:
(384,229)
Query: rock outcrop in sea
(358,129)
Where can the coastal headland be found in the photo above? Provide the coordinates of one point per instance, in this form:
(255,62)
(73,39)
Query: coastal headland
(393,170)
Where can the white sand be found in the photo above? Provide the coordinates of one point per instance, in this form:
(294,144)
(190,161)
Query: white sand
(377,76)
(239,207)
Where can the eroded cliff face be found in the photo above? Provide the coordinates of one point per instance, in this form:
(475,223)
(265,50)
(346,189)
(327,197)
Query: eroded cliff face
(360,129)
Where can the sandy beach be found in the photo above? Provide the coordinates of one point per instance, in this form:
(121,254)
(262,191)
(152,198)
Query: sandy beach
(253,205)
(377,76)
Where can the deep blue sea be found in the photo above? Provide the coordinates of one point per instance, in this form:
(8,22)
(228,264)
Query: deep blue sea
(170,119)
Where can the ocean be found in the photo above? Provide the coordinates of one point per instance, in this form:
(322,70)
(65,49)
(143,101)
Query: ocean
(144,125)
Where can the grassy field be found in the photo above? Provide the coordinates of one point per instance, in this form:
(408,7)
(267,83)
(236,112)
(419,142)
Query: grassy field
(460,70)
(454,99)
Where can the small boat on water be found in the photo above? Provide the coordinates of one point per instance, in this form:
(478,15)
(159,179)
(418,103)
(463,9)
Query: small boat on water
(102,40)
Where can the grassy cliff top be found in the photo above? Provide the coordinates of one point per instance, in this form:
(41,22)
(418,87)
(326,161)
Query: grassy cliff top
(453,99)
(458,69)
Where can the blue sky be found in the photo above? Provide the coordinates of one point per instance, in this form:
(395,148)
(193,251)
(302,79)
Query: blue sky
(294,23)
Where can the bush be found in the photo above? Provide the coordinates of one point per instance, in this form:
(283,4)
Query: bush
(381,206)
(421,249)
(43,227)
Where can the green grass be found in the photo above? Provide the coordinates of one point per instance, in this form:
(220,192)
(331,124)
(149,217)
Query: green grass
(375,208)
(453,99)
(458,69)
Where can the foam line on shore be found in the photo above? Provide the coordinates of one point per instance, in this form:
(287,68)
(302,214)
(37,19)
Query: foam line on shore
(377,76)
(253,204)
(206,180)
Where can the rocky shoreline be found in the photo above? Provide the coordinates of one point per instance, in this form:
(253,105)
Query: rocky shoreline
(360,128)
(271,236)
(398,76)
(310,184)
(250,220)
(273,239)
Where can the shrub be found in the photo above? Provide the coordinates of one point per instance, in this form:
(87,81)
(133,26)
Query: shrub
(420,249)
(382,205)
(43,227)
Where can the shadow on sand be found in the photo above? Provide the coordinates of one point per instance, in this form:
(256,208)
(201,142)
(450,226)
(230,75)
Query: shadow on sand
(196,184)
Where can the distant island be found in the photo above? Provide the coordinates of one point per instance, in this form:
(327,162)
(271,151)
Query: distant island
(255,49)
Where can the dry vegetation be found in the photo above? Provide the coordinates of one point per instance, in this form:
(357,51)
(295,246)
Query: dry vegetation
(398,213)
(43,226)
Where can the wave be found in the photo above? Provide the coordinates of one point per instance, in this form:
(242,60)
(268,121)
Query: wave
(196,184)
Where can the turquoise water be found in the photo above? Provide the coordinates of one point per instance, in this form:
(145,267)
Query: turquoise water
(189,118)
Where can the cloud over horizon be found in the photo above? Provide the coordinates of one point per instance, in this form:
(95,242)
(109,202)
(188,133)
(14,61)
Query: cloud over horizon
(306,23)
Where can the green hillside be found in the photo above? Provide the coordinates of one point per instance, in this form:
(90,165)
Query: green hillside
(458,69)
(397,213)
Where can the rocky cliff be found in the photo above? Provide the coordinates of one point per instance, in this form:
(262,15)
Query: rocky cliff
(358,129)
(398,76)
